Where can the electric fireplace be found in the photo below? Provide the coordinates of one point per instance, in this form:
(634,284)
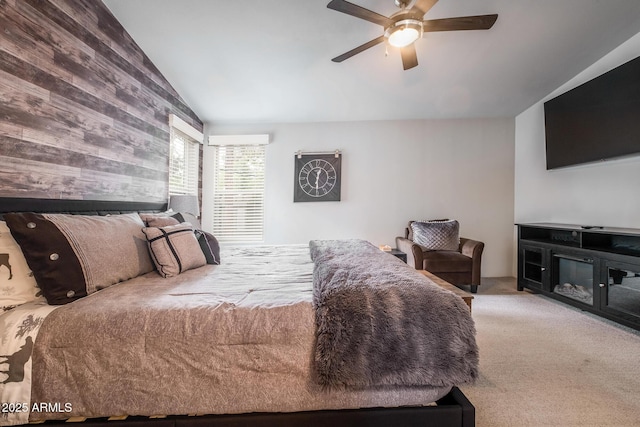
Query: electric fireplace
(573,277)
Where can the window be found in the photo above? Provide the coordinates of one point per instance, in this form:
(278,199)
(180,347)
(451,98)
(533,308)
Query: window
(238,190)
(184,157)
(183,164)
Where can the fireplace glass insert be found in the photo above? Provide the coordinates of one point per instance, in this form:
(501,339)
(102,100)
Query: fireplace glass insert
(573,278)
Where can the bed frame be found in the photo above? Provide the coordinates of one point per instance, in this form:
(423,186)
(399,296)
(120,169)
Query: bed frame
(80,207)
(453,410)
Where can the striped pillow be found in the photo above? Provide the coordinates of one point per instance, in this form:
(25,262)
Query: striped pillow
(174,248)
(210,246)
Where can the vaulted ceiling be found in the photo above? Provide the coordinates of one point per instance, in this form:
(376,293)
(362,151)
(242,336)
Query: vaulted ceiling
(270,60)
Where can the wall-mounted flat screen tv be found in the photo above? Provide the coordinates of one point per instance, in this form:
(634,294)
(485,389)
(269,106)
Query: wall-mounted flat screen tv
(597,120)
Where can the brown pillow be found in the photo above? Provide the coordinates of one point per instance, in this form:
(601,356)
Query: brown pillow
(158,220)
(208,243)
(187,217)
(174,249)
(72,256)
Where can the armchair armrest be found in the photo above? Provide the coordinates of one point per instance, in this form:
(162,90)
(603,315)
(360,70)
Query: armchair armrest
(470,248)
(413,251)
(473,249)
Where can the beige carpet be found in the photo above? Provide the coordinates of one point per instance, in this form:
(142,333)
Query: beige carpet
(543,363)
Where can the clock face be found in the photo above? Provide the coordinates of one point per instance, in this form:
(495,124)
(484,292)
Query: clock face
(317,178)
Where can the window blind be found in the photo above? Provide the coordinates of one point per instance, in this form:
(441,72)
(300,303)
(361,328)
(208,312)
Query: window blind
(238,193)
(183,163)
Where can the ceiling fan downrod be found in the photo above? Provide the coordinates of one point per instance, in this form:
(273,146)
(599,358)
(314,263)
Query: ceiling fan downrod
(402,4)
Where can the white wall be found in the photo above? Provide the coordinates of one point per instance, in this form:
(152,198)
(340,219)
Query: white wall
(603,193)
(393,171)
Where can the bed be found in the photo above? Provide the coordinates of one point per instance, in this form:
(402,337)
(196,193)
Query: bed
(238,343)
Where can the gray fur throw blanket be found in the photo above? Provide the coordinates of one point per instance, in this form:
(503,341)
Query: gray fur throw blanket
(381,323)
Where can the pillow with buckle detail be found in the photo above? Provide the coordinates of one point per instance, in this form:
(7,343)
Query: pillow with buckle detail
(72,256)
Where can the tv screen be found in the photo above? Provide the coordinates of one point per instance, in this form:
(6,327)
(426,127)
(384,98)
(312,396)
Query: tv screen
(597,120)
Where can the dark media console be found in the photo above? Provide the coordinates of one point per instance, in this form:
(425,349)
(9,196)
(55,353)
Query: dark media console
(594,268)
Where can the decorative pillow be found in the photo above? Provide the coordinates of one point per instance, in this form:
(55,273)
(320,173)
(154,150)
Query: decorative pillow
(174,249)
(187,217)
(436,235)
(158,220)
(210,246)
(410,234)
(17,284)
(208,243)
(72,256)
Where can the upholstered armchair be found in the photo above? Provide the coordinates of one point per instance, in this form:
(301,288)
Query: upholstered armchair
(458,267)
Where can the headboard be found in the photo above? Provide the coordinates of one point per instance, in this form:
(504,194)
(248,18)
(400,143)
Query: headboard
(85,207)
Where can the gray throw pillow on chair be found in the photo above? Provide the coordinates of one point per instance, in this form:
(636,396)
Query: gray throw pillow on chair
(437,235)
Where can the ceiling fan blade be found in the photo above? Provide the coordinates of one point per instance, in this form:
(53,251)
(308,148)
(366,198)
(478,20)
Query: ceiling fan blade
(478,22)
(359,12)
(424,5)
(409,56)
(359,49)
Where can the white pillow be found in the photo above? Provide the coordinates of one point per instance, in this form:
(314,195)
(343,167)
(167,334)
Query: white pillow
(17,284)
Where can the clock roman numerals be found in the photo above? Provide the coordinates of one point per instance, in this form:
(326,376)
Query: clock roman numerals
(317,179)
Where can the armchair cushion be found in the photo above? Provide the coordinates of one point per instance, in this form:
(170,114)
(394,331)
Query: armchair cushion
(436,235)
(446,261)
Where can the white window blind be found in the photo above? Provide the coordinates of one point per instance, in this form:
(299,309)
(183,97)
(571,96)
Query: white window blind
(183,163)
(238,193)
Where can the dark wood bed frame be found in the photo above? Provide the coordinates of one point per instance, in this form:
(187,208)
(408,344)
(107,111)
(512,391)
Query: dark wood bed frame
(453,410)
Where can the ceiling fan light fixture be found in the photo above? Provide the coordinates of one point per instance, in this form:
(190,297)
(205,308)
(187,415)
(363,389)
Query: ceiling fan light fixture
(403,33)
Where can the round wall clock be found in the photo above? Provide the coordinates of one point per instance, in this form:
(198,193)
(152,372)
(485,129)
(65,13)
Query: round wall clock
(317,177)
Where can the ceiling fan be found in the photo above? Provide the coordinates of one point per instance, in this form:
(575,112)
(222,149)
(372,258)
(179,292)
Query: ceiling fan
(403,28)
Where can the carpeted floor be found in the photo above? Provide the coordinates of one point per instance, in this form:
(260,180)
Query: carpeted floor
(543,363)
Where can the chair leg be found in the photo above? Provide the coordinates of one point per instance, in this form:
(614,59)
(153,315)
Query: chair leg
(474,289)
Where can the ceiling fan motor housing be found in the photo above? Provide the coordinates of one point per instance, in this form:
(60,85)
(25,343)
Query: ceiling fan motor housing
(407,27)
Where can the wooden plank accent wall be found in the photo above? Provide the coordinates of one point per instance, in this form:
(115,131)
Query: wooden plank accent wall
(84,114)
